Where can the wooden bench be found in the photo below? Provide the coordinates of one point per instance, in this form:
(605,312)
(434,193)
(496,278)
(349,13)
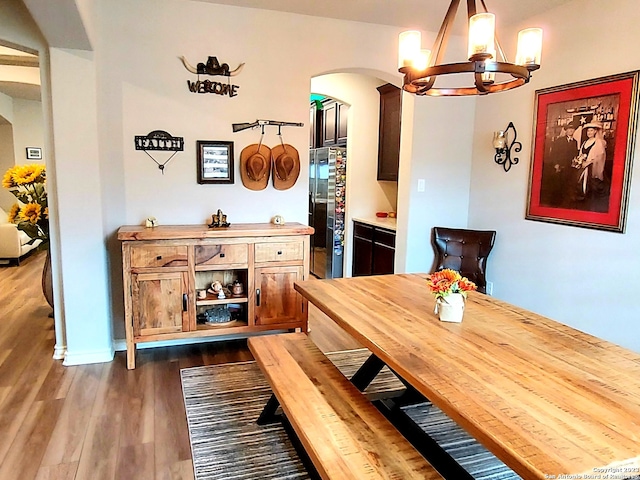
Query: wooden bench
(344,434)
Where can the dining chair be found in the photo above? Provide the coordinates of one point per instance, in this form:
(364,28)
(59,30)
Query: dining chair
(465,251)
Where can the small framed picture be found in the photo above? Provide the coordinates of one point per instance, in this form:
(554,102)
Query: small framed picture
(34,153)
(215,161)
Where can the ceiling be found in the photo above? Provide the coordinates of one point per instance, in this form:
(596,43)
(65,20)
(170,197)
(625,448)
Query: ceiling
(420,14)
(10,57)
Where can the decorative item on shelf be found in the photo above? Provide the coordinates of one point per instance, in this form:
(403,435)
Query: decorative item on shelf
(216,287)
(31,213)
(450,289)
(278,220)
(392,214)
(219,220)
(382,214)
(237,289)
(151,222)
(213,68)
(218,314)
(421,67)
(159,140)
(503,145)
(202,294)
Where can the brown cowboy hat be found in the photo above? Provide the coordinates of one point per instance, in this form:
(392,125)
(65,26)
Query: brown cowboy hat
(255,166)
(286,166)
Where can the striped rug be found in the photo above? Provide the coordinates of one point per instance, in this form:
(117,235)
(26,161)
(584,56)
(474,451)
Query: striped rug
(223,402)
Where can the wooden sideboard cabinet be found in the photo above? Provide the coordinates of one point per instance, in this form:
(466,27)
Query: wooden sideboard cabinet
(164,267)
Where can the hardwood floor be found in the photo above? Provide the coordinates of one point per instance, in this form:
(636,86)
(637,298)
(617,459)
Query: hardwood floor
(100,421)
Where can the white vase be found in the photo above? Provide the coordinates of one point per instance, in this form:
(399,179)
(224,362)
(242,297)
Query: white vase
(450,308)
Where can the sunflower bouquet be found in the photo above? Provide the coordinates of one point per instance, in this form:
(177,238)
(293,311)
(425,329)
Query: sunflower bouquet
(31,213)
(447,281)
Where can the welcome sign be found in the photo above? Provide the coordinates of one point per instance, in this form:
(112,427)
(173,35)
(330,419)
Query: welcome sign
(214,68)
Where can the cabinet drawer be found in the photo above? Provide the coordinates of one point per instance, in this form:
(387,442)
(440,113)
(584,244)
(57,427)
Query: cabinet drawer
(158,256)
(279,252)
(363,231)
(226,254)
(385,237)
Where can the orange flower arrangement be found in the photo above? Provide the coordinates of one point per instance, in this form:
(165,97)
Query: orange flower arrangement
(447,281)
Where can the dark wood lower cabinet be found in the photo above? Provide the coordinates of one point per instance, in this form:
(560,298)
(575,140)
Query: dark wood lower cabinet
(373,250)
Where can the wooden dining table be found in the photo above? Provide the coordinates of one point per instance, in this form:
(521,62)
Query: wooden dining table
(548,400)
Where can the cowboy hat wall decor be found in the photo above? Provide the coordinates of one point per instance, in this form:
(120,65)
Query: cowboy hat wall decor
(286,166)
(255,166)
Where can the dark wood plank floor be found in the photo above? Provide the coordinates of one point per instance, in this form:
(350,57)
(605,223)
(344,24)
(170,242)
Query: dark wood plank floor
(101,421)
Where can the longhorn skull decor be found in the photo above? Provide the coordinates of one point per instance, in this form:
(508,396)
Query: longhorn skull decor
(214,68)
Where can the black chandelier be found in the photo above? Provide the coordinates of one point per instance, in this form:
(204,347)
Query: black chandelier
(486,57)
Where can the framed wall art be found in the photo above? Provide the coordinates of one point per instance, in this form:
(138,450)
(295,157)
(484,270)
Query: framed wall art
(34,153)
(583,143)
(215,162)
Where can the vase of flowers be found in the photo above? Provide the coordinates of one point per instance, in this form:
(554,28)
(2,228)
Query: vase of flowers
(450,289)
(31,212)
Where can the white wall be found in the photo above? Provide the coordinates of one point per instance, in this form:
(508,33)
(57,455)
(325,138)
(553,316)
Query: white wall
(436,146)
(142,86)
(28,129)
(365,195)
(7,160)
(585,278)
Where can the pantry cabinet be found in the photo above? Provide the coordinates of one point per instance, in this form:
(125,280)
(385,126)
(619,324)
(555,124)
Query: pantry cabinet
(168,273)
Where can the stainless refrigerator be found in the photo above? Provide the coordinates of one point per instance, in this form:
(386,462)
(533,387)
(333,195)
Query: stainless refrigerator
(327,180)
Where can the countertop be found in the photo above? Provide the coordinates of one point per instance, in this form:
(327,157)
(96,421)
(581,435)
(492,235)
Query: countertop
(388,223)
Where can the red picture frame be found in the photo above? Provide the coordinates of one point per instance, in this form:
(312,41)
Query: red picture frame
(583,141)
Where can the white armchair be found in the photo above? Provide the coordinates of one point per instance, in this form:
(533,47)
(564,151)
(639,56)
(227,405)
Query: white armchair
(13,242)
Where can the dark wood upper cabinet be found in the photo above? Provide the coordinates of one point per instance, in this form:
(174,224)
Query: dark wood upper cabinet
(343,114)
(389,139)
(328,125)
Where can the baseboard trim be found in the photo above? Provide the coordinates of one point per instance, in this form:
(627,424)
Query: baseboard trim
(59,352)
(120,345)
(92,356)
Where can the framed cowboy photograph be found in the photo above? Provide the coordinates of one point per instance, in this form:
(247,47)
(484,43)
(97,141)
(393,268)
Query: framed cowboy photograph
(215,161)
(583,143)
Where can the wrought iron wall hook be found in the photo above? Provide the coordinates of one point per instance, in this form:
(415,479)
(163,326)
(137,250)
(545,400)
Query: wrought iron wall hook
(503,145)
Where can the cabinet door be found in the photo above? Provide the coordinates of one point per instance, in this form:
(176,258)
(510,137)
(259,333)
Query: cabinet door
(389,139)
(362,250)
(343,114)
(160,303)
(329,124)
(276,299)
(384,252)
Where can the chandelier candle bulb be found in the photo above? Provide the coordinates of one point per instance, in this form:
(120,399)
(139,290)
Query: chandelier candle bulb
(422,60)
(482,27)
(409,44)
(529,46)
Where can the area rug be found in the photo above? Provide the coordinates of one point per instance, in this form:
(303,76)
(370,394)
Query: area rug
(223,403)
